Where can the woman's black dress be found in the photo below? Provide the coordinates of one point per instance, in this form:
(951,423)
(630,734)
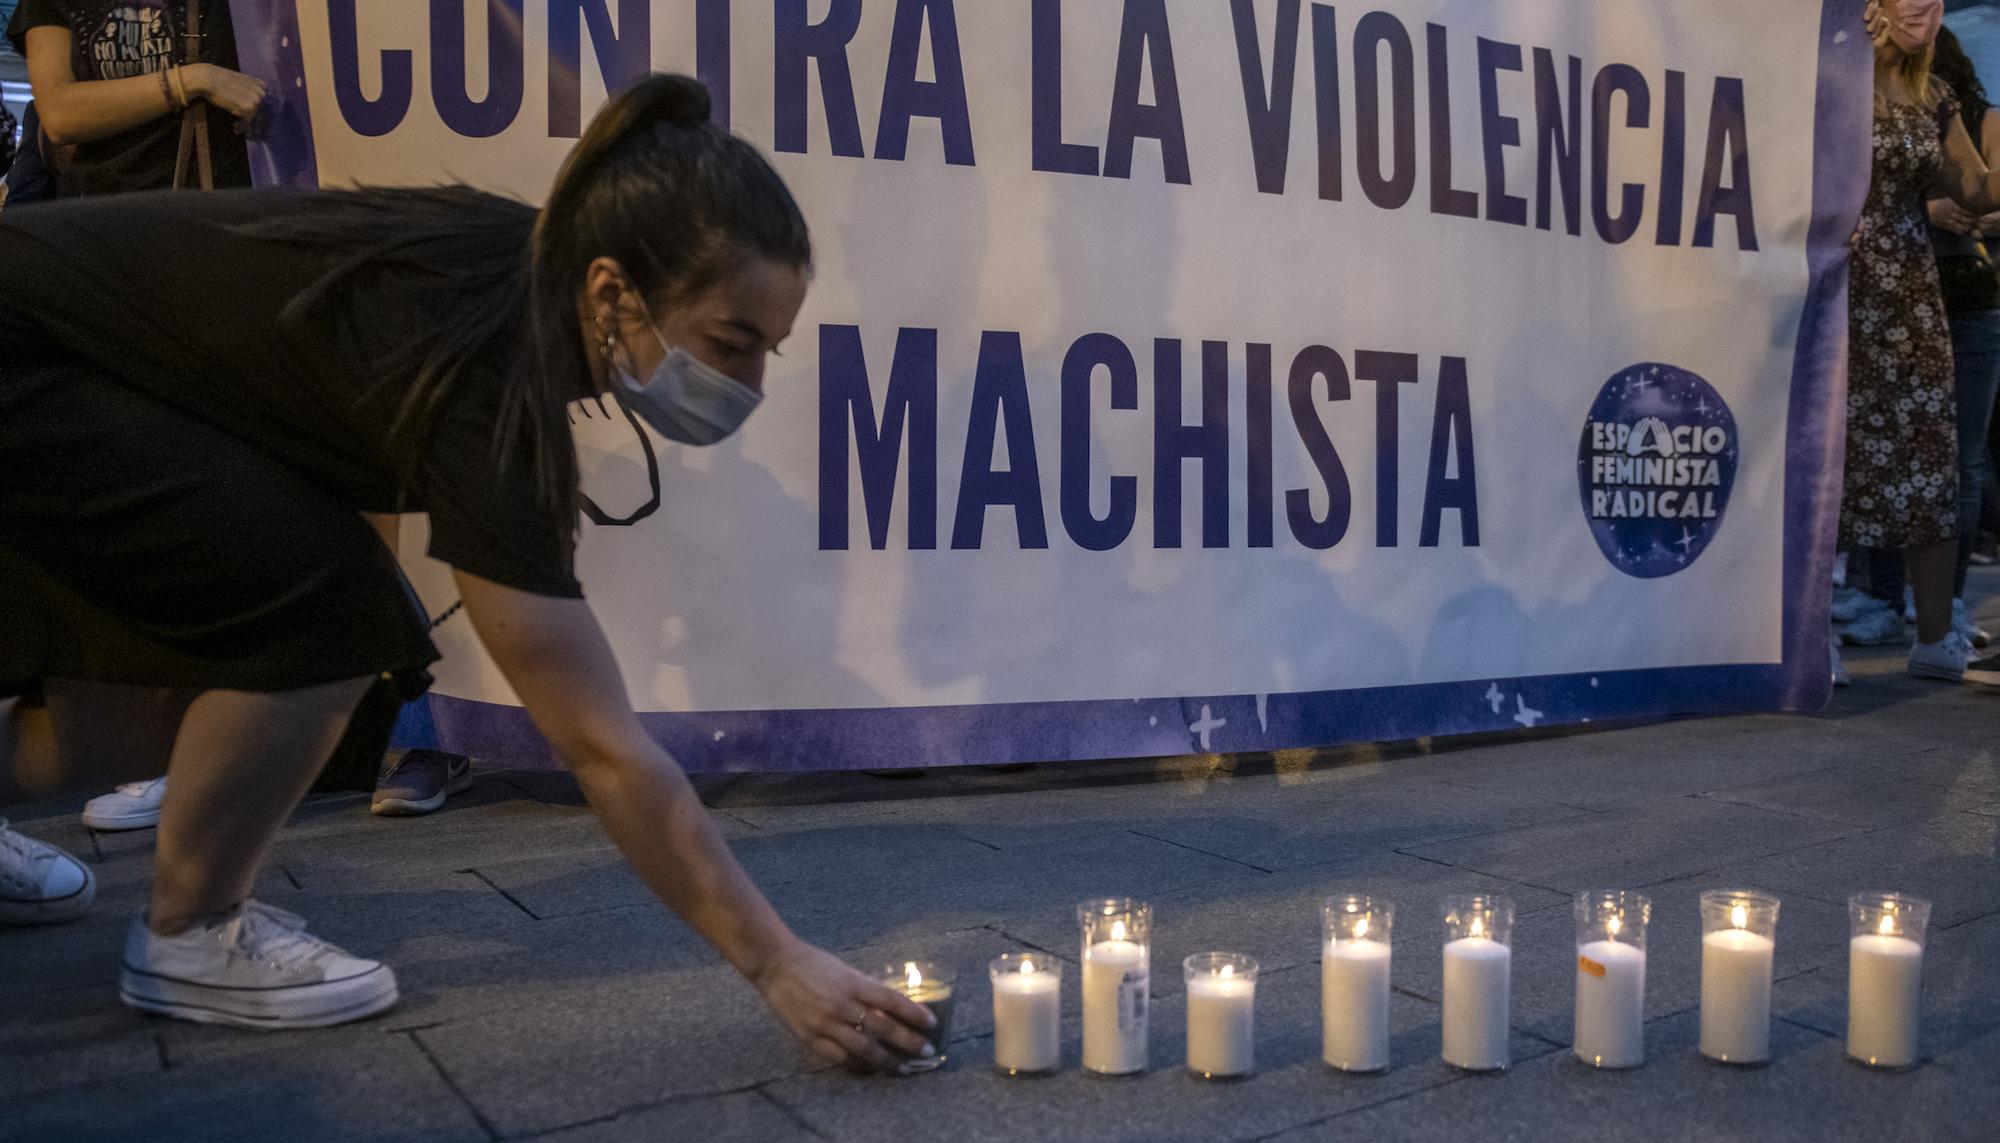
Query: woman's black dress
(182,471)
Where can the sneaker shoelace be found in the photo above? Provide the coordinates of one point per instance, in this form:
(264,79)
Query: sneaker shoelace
(269,934)
(139,789)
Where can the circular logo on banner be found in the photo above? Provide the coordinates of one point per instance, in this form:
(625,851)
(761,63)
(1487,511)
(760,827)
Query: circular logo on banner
(1656,465)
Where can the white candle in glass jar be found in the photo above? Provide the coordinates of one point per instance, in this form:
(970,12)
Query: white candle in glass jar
(1477,985)
(1221,1024)
(1885,974)
(1354,1005)
(1611,1004)
(1736,996)
(1027,1020)
(1115,984)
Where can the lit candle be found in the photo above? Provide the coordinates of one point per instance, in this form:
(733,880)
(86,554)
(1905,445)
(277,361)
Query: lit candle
(1027,1013)
(931,986)
(1354,983)
(1885,973)
(1478,978)
(1736,954)
(1611,978)
(1116,981)
(1221,1015)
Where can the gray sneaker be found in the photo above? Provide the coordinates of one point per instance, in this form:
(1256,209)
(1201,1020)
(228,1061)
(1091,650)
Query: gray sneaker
(40,884)
(420,782)
(1877,628)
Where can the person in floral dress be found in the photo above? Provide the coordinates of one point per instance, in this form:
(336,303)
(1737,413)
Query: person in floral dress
(1901,484)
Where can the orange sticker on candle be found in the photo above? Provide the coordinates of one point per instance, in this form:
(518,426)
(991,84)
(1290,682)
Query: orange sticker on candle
(1590,966)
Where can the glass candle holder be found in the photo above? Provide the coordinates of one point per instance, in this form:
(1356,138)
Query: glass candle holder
(1027,1013)
(1354,981)
(931,985)
(1478,980)
(1221,1015)
(1117,980)
(1611,978)
(1739,937)
(1885,976)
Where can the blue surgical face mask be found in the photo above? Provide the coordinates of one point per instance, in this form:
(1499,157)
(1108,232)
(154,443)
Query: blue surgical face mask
(686,399)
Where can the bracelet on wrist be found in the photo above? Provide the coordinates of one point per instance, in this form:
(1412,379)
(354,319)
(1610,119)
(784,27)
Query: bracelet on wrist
(167,89)
(180,86)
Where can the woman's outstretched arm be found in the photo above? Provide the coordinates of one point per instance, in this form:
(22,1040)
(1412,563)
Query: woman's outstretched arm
(555,656)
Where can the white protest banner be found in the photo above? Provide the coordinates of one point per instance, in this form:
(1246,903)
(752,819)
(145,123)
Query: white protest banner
(1191,374)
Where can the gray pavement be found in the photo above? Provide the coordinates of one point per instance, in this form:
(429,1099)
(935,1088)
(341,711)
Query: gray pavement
(547,997)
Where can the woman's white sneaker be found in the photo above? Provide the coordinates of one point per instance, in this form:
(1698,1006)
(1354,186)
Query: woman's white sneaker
(253,967)
(40,884)
(1944,660)
(134,805)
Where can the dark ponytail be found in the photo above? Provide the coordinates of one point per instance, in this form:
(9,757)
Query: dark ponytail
(653,184)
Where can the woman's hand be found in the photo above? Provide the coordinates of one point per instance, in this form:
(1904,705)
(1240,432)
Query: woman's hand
(232,91)
(842,1015)
(1948,215)
(1877,21)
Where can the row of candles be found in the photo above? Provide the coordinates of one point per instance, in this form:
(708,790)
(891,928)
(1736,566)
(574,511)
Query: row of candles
(1739,937)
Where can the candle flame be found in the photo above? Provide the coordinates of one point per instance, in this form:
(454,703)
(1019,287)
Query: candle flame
(911,975)
(1027,966)
(1888,925)
(1360,928)
(1613,925)
(1228,970)
(1118,930)
(1739,917)
(1478,927)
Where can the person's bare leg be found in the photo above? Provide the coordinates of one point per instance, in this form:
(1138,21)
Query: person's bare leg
(1932,570)
(240,765)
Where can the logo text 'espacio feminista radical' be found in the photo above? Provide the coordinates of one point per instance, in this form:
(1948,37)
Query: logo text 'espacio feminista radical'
(1655,467)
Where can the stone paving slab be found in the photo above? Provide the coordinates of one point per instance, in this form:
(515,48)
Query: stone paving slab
(1950,860)
(1809,1092)
(1633,848)
(336,1091)
(744,1117)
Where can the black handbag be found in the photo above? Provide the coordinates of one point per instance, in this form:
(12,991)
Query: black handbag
(1965,273)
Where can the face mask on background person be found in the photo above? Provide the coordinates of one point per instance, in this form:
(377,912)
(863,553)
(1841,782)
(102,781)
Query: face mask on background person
(1914,24)
(686,399)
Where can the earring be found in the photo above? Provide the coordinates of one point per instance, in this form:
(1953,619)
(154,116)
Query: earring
(606,340)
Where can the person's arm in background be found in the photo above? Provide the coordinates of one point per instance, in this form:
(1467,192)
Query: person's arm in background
(554,655)
(81,111)
(1946,214)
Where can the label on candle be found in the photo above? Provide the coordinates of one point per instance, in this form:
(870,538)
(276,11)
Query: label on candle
(1590,966)
(1132,1001)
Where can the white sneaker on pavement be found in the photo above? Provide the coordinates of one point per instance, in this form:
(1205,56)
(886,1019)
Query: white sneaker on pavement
(253,967)
(134,805)
(1945,659)
(1851,603)
(1962,622)
(1875,629)
(40,884)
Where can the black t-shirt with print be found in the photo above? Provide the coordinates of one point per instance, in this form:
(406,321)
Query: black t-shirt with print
(118,39)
